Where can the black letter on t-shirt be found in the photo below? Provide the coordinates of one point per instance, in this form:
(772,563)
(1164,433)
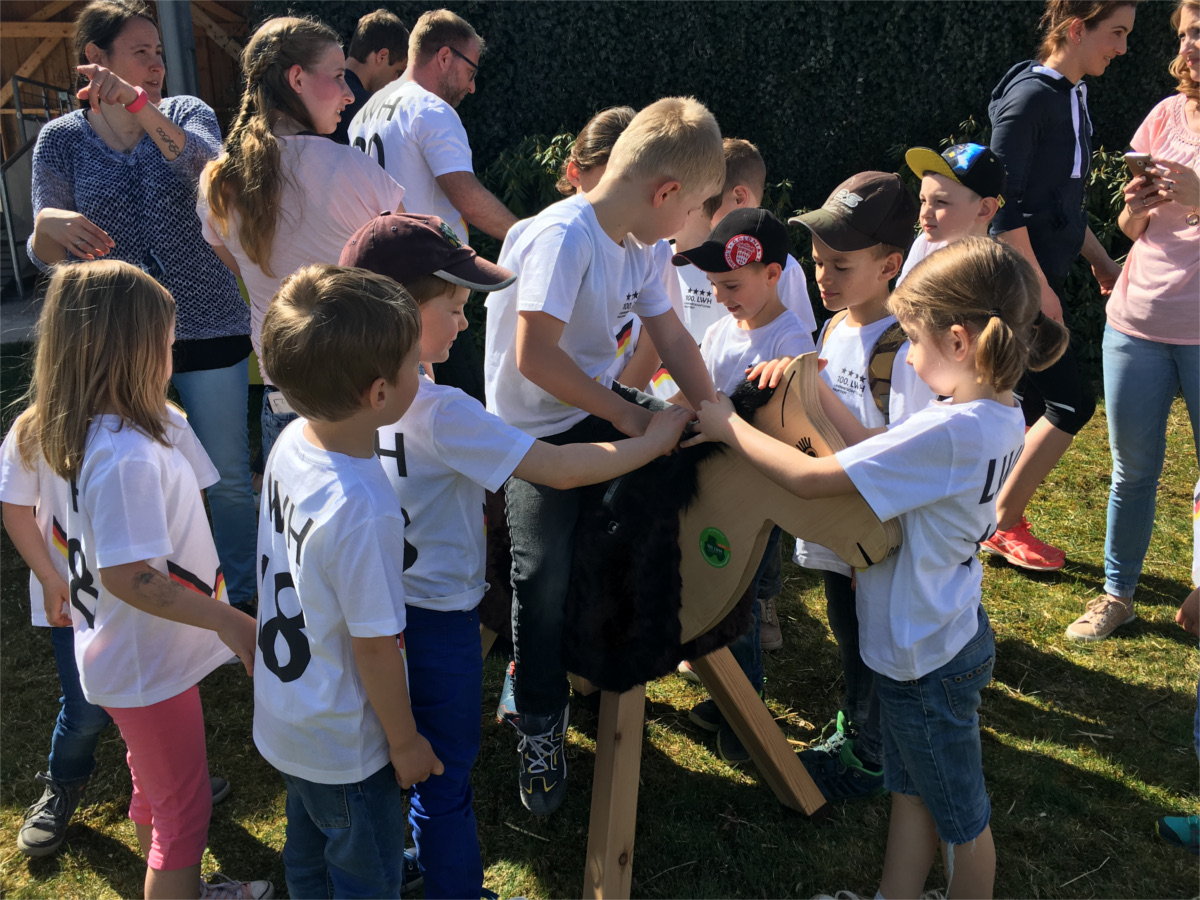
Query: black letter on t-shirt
(397,454)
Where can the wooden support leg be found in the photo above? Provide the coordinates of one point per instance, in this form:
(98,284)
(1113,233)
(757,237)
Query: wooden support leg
(487,637)
(752,723)
(609,869)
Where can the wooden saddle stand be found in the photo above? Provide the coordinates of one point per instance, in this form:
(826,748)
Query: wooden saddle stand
(722,537)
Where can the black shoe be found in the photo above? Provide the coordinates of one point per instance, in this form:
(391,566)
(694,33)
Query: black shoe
(706,715)
(543,762)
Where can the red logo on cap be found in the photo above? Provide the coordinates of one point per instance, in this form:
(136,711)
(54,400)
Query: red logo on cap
(742,249)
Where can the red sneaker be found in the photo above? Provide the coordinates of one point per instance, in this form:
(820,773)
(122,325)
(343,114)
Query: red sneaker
(1022,549)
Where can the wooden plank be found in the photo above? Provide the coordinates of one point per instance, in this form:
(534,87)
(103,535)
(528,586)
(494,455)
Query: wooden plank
(37,29)
(49,10)
(217,11)
(750,719)
(28,67)
(213,30)
(487,637)
(608,872)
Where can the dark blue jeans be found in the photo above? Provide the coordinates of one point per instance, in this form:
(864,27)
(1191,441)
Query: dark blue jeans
(768,582)
(541,522)
(73,744)
(861,702)
(445,688)
(345,840)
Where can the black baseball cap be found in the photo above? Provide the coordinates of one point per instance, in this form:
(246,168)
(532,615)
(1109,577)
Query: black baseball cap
(864,210)
(404,246)
(744,236)
(972,165)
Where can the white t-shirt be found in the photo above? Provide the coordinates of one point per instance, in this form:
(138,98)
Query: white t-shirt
(329,192)
(137,500)
(921,248)
(416,136)
(331,542)
(729,350)
(440,458)
(627,343)
(569,268)
(940,472)
(848,351)
(40,488)
(701,309)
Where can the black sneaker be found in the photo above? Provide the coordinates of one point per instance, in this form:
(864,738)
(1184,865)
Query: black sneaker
(220,788)
(411,877)
(844,777)
(706,715)
(729,745)
(45,824)
(542,759)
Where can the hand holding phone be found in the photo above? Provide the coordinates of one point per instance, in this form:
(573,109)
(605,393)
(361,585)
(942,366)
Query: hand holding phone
(1139,164)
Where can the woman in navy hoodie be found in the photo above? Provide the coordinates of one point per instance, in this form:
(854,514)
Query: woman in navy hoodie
(1042,133)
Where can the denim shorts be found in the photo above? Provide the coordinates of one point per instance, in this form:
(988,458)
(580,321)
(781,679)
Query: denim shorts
(930,730)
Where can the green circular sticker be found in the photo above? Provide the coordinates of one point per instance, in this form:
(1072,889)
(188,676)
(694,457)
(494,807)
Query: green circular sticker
(714,547)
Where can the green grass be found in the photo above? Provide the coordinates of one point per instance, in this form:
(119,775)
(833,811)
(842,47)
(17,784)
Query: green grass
(1084,746)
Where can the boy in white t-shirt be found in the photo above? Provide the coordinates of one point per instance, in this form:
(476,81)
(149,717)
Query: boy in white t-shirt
(743,259)
(331,707)
(440,458)
(583,265)
(961,189)
(859,238)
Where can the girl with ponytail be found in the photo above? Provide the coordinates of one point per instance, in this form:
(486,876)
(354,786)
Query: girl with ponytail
(971,313)
(282,195)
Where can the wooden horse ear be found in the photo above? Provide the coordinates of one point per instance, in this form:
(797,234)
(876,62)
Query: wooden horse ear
(723,534)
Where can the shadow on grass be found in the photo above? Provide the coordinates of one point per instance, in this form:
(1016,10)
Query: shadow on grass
(123,869)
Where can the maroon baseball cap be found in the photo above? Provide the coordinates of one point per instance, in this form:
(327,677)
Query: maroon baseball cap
(404,246)
(867,209)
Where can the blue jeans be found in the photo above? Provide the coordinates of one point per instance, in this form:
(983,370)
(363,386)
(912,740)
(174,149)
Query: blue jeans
(1141,379)
(445,688)
(861,702)
(216,404)
(344,840)
(273,423)
(73,744)
(931,747)
(768,582)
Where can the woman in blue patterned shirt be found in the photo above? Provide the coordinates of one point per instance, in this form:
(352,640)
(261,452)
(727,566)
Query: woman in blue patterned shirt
(118,179)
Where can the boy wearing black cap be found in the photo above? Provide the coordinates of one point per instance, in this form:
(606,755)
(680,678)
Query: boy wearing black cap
(859,239)
(440,457)
(961,190)
(743,258)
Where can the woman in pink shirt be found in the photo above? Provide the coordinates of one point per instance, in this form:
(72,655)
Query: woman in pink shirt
(1152,340)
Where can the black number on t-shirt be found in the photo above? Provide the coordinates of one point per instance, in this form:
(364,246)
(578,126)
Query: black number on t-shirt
(376,147)
(410,552)
(81,581)
(290,628)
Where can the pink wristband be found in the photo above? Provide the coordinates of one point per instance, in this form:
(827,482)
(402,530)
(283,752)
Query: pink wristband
(140,101)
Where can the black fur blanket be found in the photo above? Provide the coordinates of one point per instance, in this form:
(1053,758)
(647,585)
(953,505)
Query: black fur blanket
(622,609)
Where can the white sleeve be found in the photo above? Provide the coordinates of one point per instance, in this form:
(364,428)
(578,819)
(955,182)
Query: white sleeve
(380,191)
(793,342)
(652,299)
(124,502)
(551,272)
(793,291)
(663,252)
(475,443)
(186,442)
(365,569)
(443,141)
(19,484)
(903,469)
(909,394)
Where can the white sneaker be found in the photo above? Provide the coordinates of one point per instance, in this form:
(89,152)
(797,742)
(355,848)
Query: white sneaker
(221,887)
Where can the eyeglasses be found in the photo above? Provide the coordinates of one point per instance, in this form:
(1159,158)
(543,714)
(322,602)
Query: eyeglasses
(474,66)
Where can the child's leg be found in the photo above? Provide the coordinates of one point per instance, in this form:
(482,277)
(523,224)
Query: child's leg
(971,867)
(445,677)
(912,844)
(172,798)
(345,840)
(860,702)
(73,745)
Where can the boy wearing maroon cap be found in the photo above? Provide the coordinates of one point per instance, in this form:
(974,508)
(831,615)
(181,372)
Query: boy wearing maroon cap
(440,458)
(859,236)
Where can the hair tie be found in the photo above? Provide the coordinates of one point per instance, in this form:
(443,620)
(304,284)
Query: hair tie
(1039,319)
(994,313)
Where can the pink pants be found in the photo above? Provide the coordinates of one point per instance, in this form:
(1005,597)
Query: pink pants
(171,791)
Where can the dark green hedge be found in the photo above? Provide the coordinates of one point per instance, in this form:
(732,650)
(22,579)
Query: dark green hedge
(823,88)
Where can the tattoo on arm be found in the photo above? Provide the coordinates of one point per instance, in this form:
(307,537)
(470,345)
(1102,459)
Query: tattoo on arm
(168,142)
(156,587)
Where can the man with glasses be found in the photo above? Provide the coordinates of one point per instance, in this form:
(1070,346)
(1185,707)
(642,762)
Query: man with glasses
(412,129)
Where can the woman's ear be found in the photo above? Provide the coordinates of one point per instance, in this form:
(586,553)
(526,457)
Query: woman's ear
(573,174)
(295,77)
(93,54)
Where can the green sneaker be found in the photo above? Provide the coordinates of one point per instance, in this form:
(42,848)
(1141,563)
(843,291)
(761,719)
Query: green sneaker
(835,769)
(1180,831)
(831,747)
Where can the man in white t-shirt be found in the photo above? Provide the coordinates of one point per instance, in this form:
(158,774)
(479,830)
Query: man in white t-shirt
(412,129)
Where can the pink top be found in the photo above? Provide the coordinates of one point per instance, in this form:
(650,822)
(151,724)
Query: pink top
(1157,296)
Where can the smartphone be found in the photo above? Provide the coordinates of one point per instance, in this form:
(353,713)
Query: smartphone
(1138,164)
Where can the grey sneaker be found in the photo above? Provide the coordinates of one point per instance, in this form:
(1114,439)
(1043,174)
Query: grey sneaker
(46,821)
(543,762)
(221,887)
(1103,616)
(770,634)
(220,788)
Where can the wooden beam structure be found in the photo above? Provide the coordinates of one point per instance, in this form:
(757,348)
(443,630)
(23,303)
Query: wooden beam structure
(215,33)
(37,29)
(49,10)
(44,49)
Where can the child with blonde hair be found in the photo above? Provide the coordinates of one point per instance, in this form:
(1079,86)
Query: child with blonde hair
(147,597)
(971,314)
